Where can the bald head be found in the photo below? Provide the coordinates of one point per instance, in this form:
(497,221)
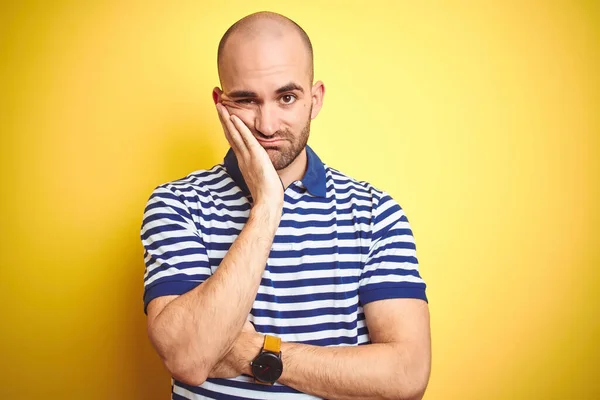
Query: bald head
(265,26)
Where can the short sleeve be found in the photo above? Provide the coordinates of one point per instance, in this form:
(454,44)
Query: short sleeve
(174,253)
(392,269)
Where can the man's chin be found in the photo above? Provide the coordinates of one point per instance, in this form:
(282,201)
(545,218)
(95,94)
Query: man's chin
(277,160)
(282,156)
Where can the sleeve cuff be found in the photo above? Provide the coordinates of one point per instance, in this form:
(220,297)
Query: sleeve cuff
(167,289)
(397,292)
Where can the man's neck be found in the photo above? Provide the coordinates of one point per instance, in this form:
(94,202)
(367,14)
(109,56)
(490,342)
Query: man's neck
(295,171)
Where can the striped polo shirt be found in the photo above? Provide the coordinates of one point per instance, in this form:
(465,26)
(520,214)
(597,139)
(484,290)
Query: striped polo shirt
(340,245)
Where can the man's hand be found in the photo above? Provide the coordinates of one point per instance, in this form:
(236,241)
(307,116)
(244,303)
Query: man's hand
(237,361)
(255,164)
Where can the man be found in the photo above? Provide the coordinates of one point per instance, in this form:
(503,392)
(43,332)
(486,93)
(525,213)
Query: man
(272,275)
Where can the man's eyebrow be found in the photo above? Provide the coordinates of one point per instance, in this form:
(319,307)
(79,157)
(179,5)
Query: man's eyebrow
(242,93)
(250,94)
(290,87)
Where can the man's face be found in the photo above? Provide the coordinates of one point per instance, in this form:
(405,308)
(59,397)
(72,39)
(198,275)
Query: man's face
(266,83)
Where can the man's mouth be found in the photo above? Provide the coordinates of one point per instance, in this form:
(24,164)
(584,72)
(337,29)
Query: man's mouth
(269,142)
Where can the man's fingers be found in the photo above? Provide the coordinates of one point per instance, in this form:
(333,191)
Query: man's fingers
(231,134)
(222,119)
(225,130)
(244,132)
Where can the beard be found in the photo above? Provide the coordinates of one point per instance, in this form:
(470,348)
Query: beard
(283,155)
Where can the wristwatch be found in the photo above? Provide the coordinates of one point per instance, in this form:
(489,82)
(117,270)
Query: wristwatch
(267,366)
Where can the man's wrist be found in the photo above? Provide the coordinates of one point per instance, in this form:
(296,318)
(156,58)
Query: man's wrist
(252,348)
(267,216)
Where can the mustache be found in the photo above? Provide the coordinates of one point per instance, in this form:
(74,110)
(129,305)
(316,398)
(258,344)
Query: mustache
(280,134)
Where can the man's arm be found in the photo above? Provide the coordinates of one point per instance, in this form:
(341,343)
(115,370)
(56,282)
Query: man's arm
(395,366)
(192,332)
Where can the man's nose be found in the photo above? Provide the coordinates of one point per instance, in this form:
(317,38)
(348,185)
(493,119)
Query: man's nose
(266,120)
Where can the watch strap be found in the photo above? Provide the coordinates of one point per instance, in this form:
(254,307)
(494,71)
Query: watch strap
(272,344)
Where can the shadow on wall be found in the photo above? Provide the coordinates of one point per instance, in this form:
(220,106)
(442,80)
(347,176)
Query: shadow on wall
(140,369)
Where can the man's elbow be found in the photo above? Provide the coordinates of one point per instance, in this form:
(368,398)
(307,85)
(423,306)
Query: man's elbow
(186,371)
(415,393)
(412,391)
(185,364)
(410,386)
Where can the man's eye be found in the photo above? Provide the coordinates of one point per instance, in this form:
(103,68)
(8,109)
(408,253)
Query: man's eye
(244,101)
(288,99)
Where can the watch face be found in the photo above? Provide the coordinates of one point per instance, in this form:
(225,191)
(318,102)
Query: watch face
(267,367)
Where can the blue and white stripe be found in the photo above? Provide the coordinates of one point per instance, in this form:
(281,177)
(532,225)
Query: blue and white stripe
(340,245)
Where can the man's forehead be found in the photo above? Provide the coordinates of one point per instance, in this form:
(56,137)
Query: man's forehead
(265,65)
(264,49)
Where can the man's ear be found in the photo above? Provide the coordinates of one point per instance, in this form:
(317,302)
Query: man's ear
(317,94)
(216,93)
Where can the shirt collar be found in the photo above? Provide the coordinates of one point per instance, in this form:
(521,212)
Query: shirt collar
(313,180)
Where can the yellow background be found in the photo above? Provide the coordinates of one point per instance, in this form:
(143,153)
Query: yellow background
(480,118)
